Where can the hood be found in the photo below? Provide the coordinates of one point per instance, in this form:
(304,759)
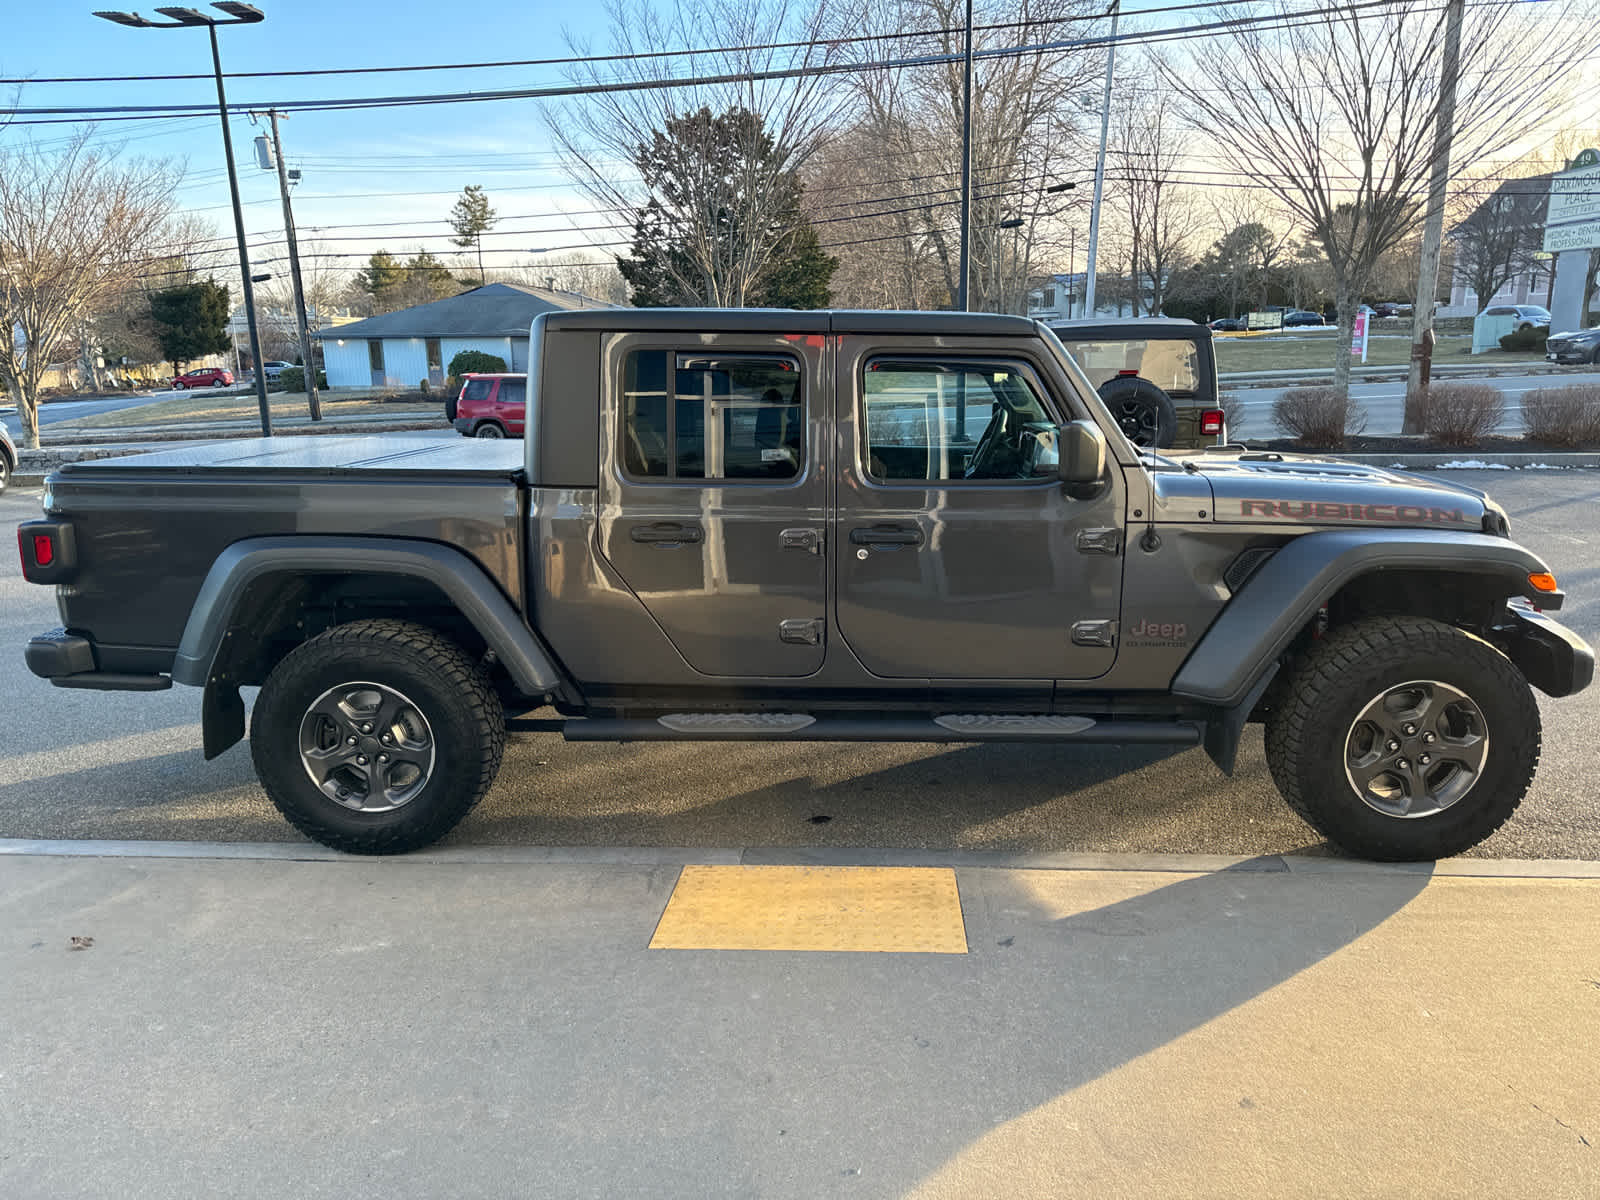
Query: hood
(1269,488)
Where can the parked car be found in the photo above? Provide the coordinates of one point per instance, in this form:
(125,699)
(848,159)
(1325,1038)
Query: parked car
(1580,346)
(1388,308)
(1157,375)
(756,525)
(1229,325)
(489,406)
(8,458)
(1527,316)
(204,377)
(274,369)
(1300,316)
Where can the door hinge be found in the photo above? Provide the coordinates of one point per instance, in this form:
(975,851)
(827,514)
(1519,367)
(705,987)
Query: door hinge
(802,631)
(1099,541)
(1094,633)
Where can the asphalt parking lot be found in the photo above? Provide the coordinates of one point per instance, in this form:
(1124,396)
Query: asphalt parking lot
(81,764)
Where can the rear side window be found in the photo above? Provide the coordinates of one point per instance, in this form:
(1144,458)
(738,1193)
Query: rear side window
(477,389)
(691,415)
(512,391)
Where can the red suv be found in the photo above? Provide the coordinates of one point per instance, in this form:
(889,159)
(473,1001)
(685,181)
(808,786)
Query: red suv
(489,406)
(204,377)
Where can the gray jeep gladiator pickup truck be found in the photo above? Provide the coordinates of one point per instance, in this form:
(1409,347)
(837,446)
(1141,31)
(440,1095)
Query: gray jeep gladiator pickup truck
(809,526)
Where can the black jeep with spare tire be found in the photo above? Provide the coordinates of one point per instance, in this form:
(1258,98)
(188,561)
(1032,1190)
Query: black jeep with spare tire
(811,526)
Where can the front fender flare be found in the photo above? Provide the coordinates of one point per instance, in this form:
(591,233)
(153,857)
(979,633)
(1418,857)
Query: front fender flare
(1258,624)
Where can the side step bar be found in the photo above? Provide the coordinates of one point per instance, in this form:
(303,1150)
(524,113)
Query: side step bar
(801,727)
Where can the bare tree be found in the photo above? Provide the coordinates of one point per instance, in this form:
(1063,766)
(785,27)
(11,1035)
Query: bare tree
(1499,237)
(1334,114)
(612,137)
(1158,211)
(583,273)
(75,226)
(1026,138)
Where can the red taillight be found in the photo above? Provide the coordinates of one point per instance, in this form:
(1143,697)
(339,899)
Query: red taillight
(1128,373)
(44,550)
(1211,421)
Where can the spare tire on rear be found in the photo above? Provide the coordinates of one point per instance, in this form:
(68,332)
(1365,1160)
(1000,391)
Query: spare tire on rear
(1144,413)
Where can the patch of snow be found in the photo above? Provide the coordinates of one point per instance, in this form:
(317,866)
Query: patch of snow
(1545,467)
(1471,464)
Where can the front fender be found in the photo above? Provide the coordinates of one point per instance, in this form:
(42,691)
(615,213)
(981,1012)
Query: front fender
(1260,621)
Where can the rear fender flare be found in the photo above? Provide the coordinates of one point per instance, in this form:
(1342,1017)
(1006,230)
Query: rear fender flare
(1258,624)
(244,563)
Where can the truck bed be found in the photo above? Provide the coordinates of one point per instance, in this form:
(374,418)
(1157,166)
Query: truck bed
(187,504)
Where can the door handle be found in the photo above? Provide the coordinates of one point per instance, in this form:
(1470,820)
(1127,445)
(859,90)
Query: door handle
(886,535)
(664,533)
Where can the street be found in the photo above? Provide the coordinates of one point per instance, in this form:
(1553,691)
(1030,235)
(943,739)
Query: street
(1385,402)
(75,410)
(85,764)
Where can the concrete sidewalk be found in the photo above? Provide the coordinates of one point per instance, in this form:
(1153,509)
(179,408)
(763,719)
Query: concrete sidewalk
(492,1023)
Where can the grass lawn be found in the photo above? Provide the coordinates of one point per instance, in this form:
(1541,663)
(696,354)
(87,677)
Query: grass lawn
(1296,349)
(194,410)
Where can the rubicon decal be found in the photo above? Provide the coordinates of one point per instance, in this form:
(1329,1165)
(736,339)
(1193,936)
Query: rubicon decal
(1331,510)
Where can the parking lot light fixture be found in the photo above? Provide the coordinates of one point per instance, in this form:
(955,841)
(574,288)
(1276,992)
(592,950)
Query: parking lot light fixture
(190,18)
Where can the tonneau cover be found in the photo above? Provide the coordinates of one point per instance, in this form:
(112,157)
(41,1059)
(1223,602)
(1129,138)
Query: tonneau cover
(444,453)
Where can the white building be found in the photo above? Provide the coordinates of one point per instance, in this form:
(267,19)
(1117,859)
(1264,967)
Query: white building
(1060,298)
(400,349)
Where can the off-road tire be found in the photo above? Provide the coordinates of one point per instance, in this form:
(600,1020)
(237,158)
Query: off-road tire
(448,688)
(1307,735)
(1144,413)
(5,472)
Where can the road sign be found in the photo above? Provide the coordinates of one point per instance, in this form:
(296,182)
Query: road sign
(1358,345)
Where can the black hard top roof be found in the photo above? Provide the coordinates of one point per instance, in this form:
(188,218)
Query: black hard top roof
(784,320)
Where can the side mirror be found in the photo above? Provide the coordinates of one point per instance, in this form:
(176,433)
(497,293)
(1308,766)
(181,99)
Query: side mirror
(1083,457)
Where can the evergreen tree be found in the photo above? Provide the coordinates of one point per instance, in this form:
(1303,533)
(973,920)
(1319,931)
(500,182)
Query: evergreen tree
(471,218)
(191,321)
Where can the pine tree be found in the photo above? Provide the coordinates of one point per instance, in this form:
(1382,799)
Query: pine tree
(471,218)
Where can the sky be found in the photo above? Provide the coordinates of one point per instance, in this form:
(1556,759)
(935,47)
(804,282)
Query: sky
(370,179)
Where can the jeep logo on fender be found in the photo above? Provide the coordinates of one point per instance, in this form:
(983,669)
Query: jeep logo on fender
(1331,510)
(1158,633)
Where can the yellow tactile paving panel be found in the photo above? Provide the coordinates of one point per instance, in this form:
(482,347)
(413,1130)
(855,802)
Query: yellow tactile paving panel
(887,910)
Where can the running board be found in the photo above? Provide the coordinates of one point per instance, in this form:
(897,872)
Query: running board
(802,727)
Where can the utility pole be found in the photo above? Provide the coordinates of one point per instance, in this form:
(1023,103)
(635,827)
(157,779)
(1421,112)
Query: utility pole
(1100,165)
(1433,229)
(309,368)
(965,269)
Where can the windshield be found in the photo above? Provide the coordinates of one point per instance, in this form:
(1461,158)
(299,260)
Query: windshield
(1120,447)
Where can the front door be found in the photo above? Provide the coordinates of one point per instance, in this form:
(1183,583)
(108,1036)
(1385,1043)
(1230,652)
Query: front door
(958,555)
(712,505)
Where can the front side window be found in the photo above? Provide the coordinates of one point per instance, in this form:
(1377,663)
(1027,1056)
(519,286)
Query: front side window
(954,419)
(697,415)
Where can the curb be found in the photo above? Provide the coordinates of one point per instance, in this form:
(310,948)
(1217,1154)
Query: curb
(634,856)
(1396,372)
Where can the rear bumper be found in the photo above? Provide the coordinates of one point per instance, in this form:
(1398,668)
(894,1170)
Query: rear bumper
(464,425)
(68,660)
(1550,656)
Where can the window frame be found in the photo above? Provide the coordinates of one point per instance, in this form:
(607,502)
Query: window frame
(675,350)
(1027,369)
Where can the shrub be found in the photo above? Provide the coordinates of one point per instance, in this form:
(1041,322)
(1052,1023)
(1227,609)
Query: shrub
(1318,416)
(476,361)
(1233,413)
(1562,416)
(1525,339)
(293,379)
(1460,414)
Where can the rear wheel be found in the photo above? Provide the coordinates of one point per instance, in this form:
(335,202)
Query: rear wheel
(5,472)
(489,429)
(1403,738)
(377,737)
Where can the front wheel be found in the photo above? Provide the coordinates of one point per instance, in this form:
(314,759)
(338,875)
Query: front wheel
(377,737)
(179,387)
(1404,739)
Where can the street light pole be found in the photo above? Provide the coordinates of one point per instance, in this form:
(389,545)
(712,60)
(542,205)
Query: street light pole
(1100,165)
(182,18)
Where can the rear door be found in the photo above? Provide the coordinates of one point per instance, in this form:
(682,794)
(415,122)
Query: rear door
(712,494)
(958,554)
